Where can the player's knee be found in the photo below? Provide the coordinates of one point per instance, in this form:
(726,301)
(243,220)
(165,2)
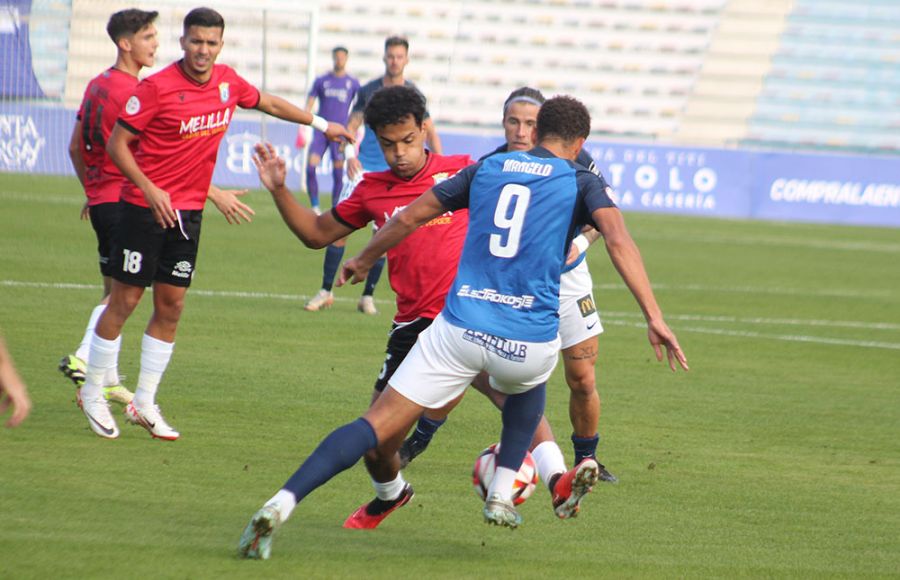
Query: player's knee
(582,384)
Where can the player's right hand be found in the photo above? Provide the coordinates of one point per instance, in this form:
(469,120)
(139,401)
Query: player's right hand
(337,132)
(353,271)
(271,168)
(161,205)
(86,211)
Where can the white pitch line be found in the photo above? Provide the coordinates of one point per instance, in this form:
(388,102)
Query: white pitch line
(822,293)
(613,322)
(784,337)
(772,321)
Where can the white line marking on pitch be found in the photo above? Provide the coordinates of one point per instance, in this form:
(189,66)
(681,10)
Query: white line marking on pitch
(606,315)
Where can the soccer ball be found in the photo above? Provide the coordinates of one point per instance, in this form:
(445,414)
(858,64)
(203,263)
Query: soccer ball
(486,464)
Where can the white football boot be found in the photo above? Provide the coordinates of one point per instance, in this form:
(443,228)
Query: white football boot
(152,420)
(98,415)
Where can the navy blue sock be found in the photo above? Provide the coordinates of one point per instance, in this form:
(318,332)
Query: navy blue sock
(521,415)
(337,452)
(312,185)
(585,447)
(426,428)
(374,275)
(333,256)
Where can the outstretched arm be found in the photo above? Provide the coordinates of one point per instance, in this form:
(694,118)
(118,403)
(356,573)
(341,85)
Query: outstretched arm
(425,208)
(315,231)
(627,260)
(278,107)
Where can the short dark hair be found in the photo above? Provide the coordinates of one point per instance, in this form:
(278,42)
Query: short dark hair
(391,105)
(396,41)
(338,49)
(204,18)
(129,22)
(564,117)
(524,94)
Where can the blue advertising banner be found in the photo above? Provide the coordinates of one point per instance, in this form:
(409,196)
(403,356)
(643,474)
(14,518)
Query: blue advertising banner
(17,78)
(842,189)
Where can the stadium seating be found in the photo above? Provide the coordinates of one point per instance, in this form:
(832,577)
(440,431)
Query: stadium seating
(775,73)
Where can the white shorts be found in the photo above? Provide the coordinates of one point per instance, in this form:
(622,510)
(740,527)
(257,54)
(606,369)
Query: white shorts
(446,358)
(578,316)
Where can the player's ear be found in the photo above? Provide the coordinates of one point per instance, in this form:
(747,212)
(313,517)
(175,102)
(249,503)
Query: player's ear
(124,44)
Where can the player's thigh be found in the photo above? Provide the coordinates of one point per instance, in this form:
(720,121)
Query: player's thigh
(400,341)
(104,218)
(178,257)
(317,147)
(439,367)
(139,241)
(578,316)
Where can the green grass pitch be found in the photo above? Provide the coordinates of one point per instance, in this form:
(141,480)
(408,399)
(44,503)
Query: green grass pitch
(777,455)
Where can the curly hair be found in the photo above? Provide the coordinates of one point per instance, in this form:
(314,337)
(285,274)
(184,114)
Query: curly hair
(564,117)
(204,18)
(129,22)
(391,105)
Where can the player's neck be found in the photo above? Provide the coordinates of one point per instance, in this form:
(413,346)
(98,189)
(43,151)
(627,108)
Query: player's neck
(339,73)
(389,81)
(199,79)
(127,65)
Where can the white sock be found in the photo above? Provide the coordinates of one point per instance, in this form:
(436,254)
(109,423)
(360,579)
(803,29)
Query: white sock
(112,377)
(549,460)
(104,355)
(155,355)
(389,490)
(285,501)
(502,483)
(84,348)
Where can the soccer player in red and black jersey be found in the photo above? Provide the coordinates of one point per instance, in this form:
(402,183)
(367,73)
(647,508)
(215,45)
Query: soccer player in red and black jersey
(421,269)
(177,117)
(136,42)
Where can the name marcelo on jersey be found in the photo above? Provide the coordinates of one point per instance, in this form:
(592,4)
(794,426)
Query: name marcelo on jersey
(530,167)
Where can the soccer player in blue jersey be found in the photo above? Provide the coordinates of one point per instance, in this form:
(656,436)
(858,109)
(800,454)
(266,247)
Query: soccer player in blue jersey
(500,315)
(396,57)
(579,326)
(335,92)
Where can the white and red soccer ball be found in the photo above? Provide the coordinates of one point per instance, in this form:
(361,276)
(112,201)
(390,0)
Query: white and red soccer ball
(486,464)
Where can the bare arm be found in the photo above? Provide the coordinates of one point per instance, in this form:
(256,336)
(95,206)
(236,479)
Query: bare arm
(12,390)
(425,208)
(354,168)
(77,157)
(158,199)
(432,138)
(76,154)
(315,231)
(627,260)
(278,107)
(582,242)
(310,102)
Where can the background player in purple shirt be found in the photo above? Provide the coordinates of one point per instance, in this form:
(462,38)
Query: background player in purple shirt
(335,92)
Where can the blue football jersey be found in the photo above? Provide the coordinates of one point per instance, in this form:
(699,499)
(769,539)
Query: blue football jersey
(523,208)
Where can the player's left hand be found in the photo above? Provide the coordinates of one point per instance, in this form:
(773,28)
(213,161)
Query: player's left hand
(227,202)
(272,169)
(353,271)
(660,335)
(574,252)
(337,132)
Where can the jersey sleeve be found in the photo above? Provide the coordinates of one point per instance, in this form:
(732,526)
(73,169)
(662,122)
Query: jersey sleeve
(585,160)
(593,194)
(454,193)
(248,95)
(352,211)
(140,108)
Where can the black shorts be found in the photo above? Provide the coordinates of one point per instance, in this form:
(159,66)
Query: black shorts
(104,218)
(401,340)
(147,253)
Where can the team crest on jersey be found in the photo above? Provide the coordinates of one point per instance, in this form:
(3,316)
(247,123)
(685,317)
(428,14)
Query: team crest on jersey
(439,177)
(223,92)
(133,105)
